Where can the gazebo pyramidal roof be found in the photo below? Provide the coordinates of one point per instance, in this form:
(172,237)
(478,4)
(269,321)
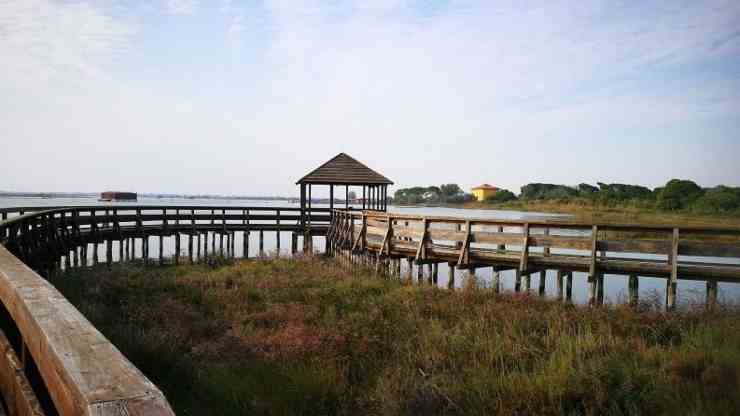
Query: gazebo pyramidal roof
(343,169)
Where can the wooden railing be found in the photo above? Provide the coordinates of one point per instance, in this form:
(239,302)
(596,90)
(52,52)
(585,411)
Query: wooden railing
(528,247)
(43,239)
(53,360)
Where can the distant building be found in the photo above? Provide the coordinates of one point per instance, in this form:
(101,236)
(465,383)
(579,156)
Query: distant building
(118,196)
(483,192)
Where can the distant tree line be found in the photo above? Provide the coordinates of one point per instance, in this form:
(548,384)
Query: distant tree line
(677,194)
(449,193)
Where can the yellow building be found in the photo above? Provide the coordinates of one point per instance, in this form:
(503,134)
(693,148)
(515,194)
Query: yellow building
(483,192)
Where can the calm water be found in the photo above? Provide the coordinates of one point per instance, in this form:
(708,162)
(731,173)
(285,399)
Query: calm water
(615,285)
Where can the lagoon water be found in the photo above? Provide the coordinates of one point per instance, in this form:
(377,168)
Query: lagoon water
(615,285)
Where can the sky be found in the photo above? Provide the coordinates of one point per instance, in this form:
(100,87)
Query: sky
(245,97)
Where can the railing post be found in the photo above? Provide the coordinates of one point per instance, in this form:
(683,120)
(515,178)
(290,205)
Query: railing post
(592,267)
(671,286)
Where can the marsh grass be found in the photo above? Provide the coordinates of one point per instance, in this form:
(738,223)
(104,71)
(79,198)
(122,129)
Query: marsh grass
(585,210)
(302,336)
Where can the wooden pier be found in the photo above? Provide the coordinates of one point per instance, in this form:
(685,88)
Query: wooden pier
(54,361)
(533,247)
(49,349)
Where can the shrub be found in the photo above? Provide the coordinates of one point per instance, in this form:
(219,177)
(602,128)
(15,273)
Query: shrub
(502,195)
(679,194)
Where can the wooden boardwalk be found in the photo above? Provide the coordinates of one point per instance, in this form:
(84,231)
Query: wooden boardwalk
(53,360)
(44,330)
(529,247)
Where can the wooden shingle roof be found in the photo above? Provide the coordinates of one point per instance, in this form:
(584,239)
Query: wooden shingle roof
(342,169)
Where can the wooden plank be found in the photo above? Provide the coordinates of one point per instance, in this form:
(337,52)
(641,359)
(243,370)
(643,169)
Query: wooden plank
(406,233)
(702,249)
(83,372)
(578,243)
(464,258)
(377,231)
(594,249)
(635,246)
(497,238)
(385,247)
(446,235)
(375,222)
(420,251)
(524,262)
(14,386)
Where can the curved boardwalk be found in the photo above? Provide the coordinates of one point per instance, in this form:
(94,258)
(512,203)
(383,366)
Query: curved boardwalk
(54,361)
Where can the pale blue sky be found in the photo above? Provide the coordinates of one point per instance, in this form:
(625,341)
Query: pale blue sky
(244,97)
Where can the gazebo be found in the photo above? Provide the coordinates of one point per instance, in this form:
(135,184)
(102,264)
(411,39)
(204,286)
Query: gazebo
(343,170)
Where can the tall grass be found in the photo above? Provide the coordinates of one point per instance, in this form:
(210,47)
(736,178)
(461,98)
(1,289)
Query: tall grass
(304,337)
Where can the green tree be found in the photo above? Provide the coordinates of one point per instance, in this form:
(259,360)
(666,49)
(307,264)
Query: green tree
(502,195)
(587,190)
(718,199)
(679,194)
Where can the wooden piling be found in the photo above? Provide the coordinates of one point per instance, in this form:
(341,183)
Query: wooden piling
(559,285)
(569,287)
(161,250)
(177,248)
(543,278)
(145,249)
(205,244)
(591,289)
(451,275)
(108,252)
(600,289)
(711,294)
(435,270)
(277,243)
(633,289)
(517,280)
(496,280)
(262,244)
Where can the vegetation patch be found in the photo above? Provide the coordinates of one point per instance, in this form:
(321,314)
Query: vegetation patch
(305,337)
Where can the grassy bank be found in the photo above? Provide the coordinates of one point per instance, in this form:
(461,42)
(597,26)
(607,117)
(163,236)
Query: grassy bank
(591,211)
(303,337)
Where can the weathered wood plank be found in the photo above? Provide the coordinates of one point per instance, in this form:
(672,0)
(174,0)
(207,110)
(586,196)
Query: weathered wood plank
(14,386)
(83,372)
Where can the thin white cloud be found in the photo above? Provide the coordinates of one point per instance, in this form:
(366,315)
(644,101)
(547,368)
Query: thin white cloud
(184,7)
(225,6)
(236,28)
(563,85)
(43,41)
